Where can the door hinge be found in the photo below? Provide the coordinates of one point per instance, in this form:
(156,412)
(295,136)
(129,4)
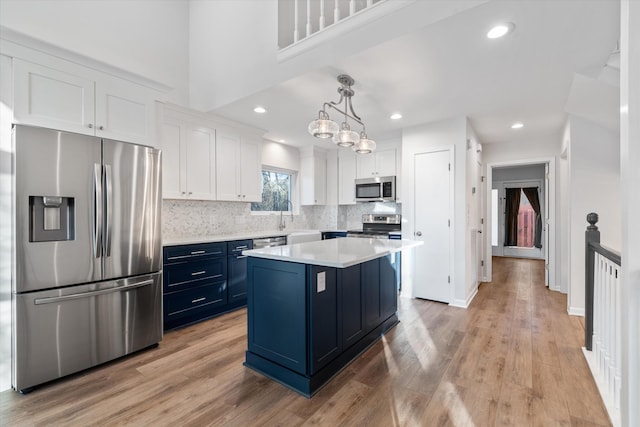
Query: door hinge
(448,223)
(482,178)
(449,166)
(481,220)
(481,263)
(448,279)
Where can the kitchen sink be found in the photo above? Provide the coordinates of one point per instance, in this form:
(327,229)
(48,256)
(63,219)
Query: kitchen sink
(301,236)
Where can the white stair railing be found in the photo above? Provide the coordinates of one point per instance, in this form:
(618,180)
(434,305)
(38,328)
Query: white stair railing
(309,12)
(603,340)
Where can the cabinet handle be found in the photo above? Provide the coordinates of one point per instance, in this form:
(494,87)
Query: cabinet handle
(190,193)
(90,126)
(197,273)
(239,248)
(243,196)
(101,128)
(197,300)
(197,252)
(238,196)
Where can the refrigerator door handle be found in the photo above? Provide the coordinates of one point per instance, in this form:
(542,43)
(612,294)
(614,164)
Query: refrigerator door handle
(97,210)
(108,209)
(51,300)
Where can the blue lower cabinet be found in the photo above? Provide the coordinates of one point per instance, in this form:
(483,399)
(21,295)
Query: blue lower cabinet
(306,322)
(203,280)
(277,324)
(325,336)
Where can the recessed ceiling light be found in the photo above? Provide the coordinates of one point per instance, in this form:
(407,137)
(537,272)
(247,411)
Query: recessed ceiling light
(500,30)
(395,116)
(517,125)
(260,110)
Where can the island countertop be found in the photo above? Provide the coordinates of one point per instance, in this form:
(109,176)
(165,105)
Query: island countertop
(340,253)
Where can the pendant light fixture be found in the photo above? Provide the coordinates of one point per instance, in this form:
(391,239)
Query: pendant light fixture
(342,134)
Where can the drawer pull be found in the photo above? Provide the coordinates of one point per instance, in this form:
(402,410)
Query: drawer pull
(197,273)
(197,252)
(239,248)
(198,300)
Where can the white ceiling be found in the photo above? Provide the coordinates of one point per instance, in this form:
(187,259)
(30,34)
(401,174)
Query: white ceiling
(450,69)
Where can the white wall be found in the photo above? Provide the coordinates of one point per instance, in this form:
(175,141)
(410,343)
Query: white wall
(530,172)
(630,174)
(473,204)
(148,38)
(594,187)
(281,156)
(451,132)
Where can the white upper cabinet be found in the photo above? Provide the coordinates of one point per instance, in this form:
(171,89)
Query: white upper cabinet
(188,161)
(378,163)
(313,177)
(346,178)
(238,166)
(109,107)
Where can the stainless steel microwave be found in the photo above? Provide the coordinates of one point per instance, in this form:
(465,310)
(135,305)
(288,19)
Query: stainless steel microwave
(378,189)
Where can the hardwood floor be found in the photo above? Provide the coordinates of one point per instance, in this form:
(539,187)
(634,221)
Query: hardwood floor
(512,358)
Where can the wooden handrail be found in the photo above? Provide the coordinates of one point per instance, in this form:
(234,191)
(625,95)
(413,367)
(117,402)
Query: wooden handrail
(612,255)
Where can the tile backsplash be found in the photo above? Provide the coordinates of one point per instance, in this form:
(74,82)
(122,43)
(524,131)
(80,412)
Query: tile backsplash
(184,218)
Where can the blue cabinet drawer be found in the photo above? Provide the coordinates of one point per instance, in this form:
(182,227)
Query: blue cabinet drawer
(184,303)
(194,273)
(236,247)
(173,254)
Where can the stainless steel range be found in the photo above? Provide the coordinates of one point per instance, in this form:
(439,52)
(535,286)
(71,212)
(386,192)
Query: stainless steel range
(378,226)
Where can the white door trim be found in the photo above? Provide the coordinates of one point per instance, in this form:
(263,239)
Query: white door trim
(550,222)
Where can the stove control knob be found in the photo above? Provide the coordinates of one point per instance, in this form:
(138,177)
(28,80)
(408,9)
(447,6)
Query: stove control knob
(418,233)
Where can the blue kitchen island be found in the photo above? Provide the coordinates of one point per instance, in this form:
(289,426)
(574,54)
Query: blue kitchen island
(313,307)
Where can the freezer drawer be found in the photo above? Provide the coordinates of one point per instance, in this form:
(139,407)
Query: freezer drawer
(59,332)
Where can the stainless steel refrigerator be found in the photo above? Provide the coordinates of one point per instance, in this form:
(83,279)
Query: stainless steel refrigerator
(87,285)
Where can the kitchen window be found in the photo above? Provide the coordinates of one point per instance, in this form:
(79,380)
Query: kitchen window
(277,191)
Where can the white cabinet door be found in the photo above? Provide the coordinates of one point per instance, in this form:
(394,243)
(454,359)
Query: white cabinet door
(124,111)
(366,165)
(228,183)
(251,170)
(378,163)
(386,162)
(200,163)
(346,179)
(313,172)
(49,98)
(174,171)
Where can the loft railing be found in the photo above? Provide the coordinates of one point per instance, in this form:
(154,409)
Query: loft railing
(603,340)
(299,19)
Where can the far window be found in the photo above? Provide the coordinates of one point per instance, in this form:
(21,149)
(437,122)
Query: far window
(276,192)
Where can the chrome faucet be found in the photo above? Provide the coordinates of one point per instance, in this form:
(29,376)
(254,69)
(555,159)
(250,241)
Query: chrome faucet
(282,225)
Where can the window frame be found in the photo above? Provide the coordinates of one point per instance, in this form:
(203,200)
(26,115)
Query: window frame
(293,194)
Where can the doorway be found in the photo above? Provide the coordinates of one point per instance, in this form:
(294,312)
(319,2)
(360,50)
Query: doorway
(538,174)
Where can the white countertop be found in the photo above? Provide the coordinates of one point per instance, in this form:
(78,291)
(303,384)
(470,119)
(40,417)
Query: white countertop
(341,253)
(188,240)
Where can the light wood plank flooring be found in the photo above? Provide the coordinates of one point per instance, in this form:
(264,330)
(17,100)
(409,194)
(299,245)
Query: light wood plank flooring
(513,358)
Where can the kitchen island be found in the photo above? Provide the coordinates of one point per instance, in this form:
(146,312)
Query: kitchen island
(313,307)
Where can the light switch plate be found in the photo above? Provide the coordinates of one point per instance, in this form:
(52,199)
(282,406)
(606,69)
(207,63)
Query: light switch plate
(322,281)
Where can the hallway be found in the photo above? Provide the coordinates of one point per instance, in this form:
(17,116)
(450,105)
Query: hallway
(513,358)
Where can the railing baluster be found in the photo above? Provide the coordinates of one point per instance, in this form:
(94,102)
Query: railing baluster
(369,3)
(308,18)
(617,376)
(352,7)
(336,12)
(296,33)
(321,20)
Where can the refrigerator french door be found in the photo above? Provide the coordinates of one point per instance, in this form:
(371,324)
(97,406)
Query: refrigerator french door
(87,284)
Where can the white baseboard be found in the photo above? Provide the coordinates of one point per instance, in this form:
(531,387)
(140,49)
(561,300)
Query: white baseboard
(464,303)
(576,311)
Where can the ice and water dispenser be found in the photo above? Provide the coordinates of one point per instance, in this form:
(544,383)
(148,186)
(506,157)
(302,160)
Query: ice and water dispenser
(51,218)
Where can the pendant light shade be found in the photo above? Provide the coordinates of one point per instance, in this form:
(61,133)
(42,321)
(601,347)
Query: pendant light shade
(364,144)
(345,136)
(324,127)
(342,135)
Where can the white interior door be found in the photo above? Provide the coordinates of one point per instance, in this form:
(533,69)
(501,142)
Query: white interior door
(545,224)
(432,216)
